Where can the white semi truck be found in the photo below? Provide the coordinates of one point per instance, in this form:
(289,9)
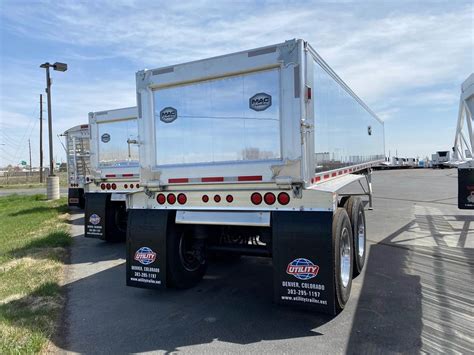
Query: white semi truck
(247,154)
(78,163)
(114,172)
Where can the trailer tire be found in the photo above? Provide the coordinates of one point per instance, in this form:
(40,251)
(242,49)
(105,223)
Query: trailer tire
(182,270)
(342,244)
(355,209)
(116,223)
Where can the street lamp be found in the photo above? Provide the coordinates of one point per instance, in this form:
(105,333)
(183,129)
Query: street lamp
(52,181)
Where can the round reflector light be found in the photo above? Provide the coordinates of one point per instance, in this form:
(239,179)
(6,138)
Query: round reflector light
(171,199)
(161,199)
(205,198)
(108,186)
(125,186)
(114,186)
(269,198)
(283,198)
(217,198)
(182,199)
(102,186)
(256,198)
(229,198)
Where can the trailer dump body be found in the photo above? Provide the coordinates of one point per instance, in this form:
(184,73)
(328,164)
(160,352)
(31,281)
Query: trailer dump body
(78,163)
(114,170)
(245,153)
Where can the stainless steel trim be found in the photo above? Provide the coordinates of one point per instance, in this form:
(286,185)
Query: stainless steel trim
(234,218)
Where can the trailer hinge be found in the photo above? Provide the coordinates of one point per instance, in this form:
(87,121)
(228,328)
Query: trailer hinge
(297,190)
(305,126)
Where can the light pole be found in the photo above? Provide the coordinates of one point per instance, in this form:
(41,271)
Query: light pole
(52,187)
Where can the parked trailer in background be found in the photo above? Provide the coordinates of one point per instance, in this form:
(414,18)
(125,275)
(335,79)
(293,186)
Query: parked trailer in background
(440,159)
(114,168)
(78,163)
(246,154)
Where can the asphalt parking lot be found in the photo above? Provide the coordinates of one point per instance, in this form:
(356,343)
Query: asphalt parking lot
(415,294)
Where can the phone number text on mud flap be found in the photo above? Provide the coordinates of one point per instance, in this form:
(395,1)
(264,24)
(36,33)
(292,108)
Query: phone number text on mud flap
(145,272)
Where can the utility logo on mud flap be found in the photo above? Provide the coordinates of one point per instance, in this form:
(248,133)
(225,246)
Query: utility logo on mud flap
(105,138)
(94,219)
(302,269)
(145,256)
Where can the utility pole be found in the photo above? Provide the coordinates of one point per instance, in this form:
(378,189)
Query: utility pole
(29,147)
(41,138)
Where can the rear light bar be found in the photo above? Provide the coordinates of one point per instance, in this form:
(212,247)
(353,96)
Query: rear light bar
(256,198)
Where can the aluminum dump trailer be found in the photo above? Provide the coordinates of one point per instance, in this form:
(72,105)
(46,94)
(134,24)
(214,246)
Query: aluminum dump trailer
(114,172)
(78,163)
(246,154)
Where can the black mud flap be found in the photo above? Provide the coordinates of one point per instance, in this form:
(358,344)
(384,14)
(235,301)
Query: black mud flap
(146,248)
(95,215)
(303,265)
(466,188)
(75,197)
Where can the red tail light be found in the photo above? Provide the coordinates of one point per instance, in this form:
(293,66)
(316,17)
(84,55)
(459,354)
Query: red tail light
(125,186)
(269,198)
(137,186)
(217,198)
(205,198)
(171,199)
(108,186)
(114,186)
(182,199)
(102,186)
(131,186)
(256,198)
(283,198)
(161,199)
(229,198)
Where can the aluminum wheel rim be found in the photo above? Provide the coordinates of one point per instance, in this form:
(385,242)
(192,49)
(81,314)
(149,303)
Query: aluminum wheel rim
(345,251)
(361,236)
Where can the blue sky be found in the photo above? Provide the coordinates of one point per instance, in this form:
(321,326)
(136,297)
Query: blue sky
(406,59)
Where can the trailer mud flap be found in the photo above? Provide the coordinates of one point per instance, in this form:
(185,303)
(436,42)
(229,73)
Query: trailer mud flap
(303,260)
(95,215)
(146,248)
(75,197)
(465,188)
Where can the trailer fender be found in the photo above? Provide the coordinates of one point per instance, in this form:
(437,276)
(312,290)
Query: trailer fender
(303,265)
(146,248)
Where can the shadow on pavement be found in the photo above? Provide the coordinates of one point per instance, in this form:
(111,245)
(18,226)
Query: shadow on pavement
(232,304)
(417,298)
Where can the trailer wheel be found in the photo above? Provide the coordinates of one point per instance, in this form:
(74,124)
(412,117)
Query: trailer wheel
(355,209)
(343,255)
(186,262)
(116,223)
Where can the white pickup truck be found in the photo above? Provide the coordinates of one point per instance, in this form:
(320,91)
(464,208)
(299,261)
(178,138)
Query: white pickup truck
(247,154)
